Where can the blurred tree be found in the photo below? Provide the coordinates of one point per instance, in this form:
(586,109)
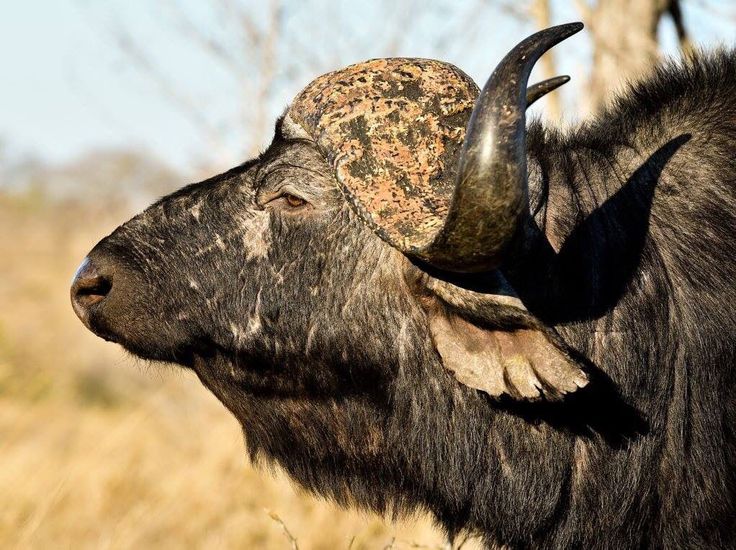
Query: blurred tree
(270,49)
(111,179)
(265,49)
(542,15)
(625,41)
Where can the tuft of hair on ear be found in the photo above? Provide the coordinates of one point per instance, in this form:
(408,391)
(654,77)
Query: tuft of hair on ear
(489,341)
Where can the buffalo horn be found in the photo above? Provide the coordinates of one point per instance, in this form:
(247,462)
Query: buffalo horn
(490,202)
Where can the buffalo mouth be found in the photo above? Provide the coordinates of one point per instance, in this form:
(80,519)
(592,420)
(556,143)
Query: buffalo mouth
(109,299)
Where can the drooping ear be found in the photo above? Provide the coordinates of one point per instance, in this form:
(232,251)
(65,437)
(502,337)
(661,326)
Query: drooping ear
(523,363)
(490,342)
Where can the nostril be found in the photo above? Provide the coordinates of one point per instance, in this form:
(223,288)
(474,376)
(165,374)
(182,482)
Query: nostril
(88,288)
(92,290)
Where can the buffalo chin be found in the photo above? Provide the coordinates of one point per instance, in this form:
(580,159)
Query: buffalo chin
(157,350)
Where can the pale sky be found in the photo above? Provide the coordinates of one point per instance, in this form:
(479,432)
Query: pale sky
(68,88)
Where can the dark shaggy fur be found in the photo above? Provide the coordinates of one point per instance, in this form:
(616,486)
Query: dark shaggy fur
(314,332)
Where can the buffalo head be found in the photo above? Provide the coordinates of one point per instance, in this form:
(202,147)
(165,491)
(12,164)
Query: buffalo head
(353,261)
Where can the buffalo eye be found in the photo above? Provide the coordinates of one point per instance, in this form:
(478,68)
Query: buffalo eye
(287,201)
(293,201)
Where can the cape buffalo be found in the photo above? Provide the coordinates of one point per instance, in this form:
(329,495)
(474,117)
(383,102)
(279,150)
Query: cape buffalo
(413,299)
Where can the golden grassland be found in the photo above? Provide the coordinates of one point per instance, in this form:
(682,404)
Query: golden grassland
(100,450)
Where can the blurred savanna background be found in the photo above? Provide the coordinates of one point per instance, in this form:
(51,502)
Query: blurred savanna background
(107,106)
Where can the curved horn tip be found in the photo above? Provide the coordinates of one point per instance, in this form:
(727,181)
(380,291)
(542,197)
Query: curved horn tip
(540,89)
(554,35)
(490,199)
(570,28)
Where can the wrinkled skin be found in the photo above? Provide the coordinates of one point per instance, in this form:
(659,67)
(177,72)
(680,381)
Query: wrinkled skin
(315,333)
(305,267)
(276,309)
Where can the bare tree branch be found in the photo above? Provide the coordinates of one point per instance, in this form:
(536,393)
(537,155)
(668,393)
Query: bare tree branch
(401,29)
(209,45)
(251,34)
(586,12)
(686,46)
(517,10)
(155,74)
(268,63)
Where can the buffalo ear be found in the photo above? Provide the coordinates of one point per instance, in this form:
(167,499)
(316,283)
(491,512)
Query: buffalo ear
(527,363)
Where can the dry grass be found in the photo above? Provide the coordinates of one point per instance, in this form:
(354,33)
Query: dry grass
(97,452)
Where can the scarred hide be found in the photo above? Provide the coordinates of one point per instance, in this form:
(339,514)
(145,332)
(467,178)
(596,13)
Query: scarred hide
(347,361)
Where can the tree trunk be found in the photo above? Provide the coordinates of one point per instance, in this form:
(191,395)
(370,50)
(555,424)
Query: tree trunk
(540,10)
(625,46)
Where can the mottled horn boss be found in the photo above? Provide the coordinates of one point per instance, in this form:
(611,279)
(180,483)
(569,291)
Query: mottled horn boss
(490,202)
